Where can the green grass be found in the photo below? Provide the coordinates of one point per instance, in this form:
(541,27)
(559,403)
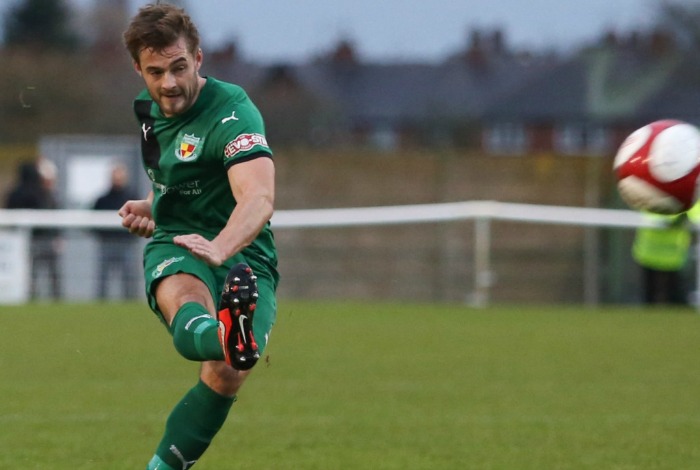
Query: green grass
(364,386)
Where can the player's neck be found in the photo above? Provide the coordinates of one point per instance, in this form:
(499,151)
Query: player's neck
(201,81)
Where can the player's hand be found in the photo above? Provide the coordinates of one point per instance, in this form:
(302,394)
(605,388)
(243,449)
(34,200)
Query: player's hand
(136,217)
(201,248)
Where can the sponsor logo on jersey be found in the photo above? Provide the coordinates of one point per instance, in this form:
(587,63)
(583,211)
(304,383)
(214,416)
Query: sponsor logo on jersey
(188,188)
(189,148)
(161,267)
(243,143)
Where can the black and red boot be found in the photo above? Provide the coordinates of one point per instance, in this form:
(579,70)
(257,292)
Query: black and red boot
(236,310)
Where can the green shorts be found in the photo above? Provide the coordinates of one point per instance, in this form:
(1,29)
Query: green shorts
(163,258)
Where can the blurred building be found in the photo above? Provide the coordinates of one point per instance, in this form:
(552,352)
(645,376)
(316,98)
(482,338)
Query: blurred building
(486,97)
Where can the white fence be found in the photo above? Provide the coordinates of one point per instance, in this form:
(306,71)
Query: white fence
(483,213)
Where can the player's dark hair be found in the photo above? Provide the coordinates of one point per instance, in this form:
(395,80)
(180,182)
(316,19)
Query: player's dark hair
(157,26)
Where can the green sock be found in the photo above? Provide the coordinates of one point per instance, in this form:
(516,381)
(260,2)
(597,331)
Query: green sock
(196,334)
(190,428)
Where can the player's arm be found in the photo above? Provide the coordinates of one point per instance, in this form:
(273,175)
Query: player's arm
(253,187)
(137,216)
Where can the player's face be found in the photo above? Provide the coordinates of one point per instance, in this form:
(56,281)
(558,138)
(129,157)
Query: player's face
(171,76)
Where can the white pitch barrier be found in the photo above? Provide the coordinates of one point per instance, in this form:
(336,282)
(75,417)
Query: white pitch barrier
(15,225)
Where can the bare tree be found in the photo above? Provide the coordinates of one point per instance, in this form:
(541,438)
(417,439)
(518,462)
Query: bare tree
(682,19)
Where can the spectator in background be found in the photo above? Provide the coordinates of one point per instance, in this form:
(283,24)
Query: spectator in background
(662,253)
(49,241)
(115,245)
(35,189)
(26,194)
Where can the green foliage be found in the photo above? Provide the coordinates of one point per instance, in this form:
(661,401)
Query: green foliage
(40,24)
(364,386)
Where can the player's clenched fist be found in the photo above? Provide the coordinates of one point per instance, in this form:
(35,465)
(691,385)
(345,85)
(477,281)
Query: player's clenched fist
(136,217)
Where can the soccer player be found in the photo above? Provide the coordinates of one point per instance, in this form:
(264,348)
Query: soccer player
(212,254)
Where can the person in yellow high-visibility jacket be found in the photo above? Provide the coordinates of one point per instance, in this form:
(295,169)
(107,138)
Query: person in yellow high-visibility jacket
(662,253)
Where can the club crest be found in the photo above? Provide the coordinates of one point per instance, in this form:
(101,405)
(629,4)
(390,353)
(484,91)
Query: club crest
(189,147)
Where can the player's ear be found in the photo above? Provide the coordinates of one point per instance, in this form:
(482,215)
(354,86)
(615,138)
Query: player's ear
(198,57)
(137,68)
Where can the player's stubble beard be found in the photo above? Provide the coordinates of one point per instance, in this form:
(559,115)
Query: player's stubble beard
(178,100)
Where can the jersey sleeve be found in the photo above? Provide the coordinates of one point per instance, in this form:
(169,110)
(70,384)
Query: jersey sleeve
(243,134)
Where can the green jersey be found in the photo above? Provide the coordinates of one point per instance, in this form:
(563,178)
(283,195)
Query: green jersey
(187,157)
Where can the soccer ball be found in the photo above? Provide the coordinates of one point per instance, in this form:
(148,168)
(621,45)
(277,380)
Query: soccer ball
(657,167)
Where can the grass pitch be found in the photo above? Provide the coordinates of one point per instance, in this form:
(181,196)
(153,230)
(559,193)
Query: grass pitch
(364,386)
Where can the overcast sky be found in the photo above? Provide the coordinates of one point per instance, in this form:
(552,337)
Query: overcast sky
(415,30)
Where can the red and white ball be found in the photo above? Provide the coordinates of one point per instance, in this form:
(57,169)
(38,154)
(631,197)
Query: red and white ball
(657,167)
